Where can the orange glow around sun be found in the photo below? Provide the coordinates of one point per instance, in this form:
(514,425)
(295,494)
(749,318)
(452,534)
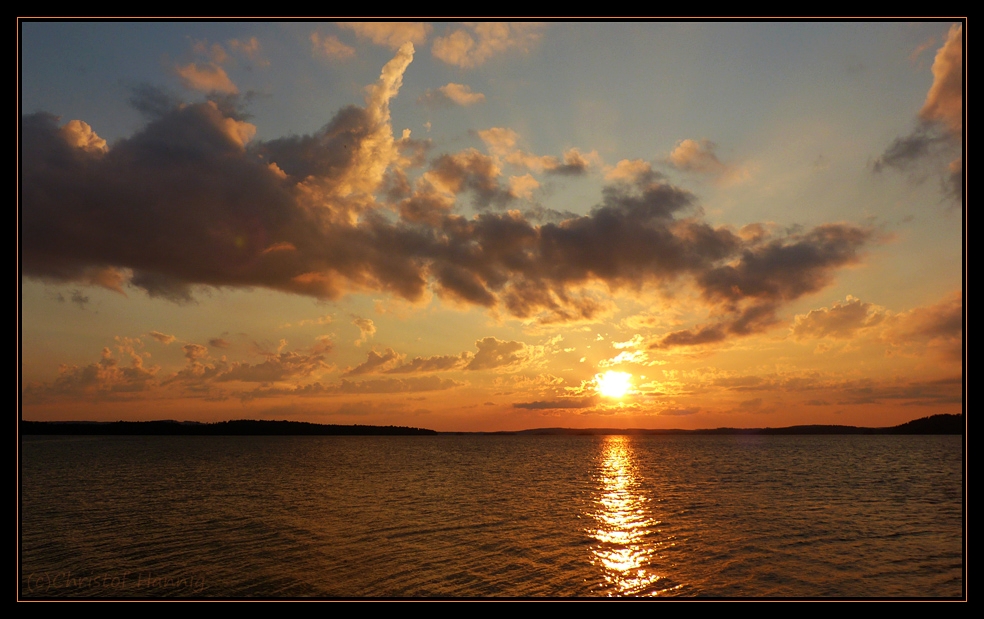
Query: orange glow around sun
(614,384)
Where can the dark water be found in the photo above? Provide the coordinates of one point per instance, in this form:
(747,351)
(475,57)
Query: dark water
(489,516)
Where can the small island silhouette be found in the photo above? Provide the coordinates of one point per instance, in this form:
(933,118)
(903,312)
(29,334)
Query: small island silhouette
(935,424)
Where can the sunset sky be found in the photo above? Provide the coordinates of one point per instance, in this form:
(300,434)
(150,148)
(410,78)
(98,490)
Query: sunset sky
(492,226)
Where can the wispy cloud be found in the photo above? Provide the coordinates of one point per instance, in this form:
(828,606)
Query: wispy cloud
(390,34)
(473,44)
(452,94)
(330,47)
(939,129)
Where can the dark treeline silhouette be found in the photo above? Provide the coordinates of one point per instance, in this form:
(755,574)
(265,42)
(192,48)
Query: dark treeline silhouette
(936,424)
(240,427)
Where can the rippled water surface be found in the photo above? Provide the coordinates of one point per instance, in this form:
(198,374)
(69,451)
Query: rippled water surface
(490,516)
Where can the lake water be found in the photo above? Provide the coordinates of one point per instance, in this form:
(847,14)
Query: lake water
(492,516)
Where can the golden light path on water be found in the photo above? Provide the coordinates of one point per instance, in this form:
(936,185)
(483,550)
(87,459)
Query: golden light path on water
(628,543)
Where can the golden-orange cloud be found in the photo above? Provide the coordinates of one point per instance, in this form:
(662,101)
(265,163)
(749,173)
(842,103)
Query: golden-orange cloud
(944,101)
(207,77)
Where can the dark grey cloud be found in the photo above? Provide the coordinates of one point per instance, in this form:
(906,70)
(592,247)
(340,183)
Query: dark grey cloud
(937,137)
(325,154)
(79,299)
(905,151)
(151,101)
(773,272)
(189,202)
(574,164)
(953,181)
(472,171)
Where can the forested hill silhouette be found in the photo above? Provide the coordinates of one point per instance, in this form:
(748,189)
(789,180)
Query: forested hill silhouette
(936,424)
(239,427)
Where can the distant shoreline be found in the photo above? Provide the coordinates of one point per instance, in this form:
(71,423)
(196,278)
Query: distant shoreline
(935,424)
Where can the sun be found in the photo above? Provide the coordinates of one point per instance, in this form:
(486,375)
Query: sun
(613,384)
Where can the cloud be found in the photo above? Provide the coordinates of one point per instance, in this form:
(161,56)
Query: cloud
(699,156)
(494,353)
(632,171)
(912,393)
(366,329)
(574,164)
(937,327)
(80,135)
(192,200)
(638,357)
(79,299)
(499,140)
(696,156)
(151,101)
(398,385)
(163,338)
(501,143)
(426,207)
(905,150)
(451,93)
(323,344)
(938,132)
(953,182)
(376,362)
(103,380)
(840,321)
(354,151)
(933,329)
(277,367)
(216,53)
(523,186)
(194,352)
(786,268)
(472,45)
(768,274)
(472,171)
(437,363)
(320,320)
(679,411)
(412,384)
(390,34)
(331,47)
(201,195)
(206,77)
(218,342)
(944,101)
(249,48)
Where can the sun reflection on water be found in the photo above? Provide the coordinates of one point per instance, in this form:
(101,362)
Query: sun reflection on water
(628,543)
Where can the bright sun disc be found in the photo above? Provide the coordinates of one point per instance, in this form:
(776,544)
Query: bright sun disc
(614,384)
